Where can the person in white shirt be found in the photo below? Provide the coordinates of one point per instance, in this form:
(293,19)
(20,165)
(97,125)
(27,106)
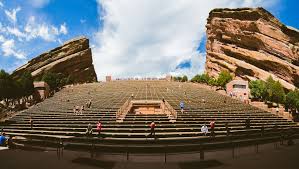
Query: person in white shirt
(204,129)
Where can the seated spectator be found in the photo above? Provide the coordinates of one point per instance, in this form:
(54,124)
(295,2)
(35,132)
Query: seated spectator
(89,130)
(2,139)
(204,129)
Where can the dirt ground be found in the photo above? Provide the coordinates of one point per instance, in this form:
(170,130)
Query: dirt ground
(283,157)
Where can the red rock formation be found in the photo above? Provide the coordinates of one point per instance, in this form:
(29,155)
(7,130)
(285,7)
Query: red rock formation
(73,58)
(252,44)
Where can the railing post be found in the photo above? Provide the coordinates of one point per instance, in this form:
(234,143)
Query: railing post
(165,154)
(201,153)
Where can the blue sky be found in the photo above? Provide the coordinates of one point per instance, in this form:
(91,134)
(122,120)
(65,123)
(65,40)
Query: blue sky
(128,37)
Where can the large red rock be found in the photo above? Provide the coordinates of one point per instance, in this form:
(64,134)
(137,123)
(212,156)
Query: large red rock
(252,44)
(73,58)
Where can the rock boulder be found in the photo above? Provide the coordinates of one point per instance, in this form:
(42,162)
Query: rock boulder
(252,44)
(73,58)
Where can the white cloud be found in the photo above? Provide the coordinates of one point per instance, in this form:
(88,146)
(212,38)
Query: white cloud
(1,4)
(43,30)
(150,38)
(12,15)
(2,39)
(8,49)
(39,3)
(16,32)
(63,29)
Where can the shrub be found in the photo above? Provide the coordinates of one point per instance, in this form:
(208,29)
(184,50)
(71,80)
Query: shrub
(224,78)
(257,89)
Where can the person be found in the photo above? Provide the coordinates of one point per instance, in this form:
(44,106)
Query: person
(81,109)
(89,130)
(77,109)
(88,104)
(2,139)
(182,106)
(163,105)
(31,123)
(132,96)
(227,129)
(212,126)
(152,126)
(203,100)
(247,123)
(2,131)
(74,110)
(277,110)
(204,129)
(99,128)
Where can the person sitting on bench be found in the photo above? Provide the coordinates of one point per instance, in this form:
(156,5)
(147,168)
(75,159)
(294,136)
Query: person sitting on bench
(2,139)
(204,129)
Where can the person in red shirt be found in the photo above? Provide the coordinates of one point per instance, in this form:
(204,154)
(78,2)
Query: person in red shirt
(99,128)
(212,125)
(152,126)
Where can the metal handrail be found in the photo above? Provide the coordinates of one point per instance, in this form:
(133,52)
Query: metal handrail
(171,109)
(123,108)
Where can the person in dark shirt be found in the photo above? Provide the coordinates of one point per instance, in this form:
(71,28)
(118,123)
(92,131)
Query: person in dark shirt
(152,126)
(31,123)
(247,123)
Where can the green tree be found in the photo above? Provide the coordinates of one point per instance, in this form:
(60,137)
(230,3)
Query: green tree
(6,86)
(292,98)
(51,79)
(203,78)
(184,78)
(274,91)
(26,84)
(212,82)
(257,89)
(224,78)
(195,78)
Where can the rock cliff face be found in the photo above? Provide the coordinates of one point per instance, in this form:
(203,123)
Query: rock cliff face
(252,44)
(73,58)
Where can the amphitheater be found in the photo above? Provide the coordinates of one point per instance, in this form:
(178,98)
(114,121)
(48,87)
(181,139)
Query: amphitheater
(126,109)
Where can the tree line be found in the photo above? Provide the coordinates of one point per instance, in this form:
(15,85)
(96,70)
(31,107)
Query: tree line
(223,78)
(273,92)
(13,89)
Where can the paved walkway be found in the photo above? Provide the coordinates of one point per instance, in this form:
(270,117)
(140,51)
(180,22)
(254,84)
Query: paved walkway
(246,158)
